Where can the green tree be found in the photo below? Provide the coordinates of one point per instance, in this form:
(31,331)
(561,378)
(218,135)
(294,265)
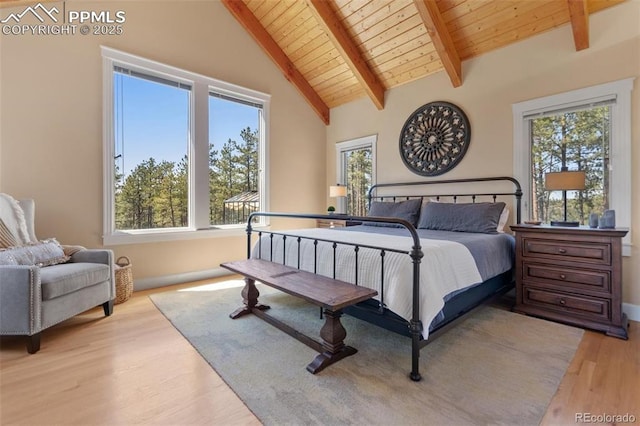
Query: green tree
(234,170)
(577,140)
(358,180)
(155,194)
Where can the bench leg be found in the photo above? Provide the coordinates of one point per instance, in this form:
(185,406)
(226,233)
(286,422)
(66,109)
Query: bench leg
(333,334)
(250,299)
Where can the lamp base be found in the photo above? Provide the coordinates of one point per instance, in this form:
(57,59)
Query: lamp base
(564,223)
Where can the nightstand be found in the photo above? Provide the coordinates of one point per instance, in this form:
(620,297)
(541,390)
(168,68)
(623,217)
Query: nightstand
(571,275)
(335,223)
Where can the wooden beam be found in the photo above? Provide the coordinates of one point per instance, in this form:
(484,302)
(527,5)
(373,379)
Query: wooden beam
(251,24)
(343,42)
(579,15)
(437,29)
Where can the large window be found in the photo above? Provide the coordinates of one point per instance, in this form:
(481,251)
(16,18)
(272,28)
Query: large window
(356,169)
(587,130)
(183,152)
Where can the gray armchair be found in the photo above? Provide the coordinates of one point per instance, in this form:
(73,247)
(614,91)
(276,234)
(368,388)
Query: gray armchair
(33,298)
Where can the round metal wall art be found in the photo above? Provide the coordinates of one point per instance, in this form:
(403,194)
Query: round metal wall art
(434,138)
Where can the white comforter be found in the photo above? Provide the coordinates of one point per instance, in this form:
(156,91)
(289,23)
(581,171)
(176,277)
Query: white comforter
(446,266)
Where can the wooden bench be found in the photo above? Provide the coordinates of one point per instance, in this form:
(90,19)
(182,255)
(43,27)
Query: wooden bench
(331,295)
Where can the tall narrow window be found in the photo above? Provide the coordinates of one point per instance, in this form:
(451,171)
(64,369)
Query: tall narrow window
(355,163)
(234,142)
(151,136)
(572,140)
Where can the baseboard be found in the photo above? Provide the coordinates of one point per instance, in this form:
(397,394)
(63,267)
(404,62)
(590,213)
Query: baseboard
(166,280)
(632,311)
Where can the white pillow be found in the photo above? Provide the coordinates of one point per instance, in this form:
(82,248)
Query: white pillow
(504,217)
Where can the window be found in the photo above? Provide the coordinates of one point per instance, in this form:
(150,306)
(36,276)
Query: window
(183,152)
(584,130)
(151,141)
(356,161)
(233,162)
(571,140)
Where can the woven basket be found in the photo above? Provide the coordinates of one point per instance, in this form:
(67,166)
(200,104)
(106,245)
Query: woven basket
(124,279)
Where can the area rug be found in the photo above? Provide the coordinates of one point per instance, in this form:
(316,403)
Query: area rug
(493,367)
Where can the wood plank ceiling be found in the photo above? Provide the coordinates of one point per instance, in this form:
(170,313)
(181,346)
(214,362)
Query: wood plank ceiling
(336,51)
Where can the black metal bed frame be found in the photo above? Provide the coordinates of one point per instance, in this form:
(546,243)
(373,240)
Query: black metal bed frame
(415,325)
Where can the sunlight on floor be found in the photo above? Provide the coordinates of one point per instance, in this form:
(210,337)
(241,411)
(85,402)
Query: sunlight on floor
(221,285)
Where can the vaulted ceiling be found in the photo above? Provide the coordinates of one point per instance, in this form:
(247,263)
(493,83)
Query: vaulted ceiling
(336,51)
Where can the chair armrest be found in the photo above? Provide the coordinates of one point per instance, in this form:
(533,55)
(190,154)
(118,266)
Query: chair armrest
(20,300)
(103,256)
(93,256)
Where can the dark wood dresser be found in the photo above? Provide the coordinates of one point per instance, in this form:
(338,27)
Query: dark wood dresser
(571,275)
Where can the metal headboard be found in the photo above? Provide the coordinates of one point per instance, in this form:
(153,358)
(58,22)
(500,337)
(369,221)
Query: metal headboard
(517,192)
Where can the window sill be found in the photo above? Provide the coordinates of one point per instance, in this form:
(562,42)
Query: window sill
(181,234)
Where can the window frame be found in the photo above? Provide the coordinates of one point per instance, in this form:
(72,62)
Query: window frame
(350,145)
(198,150)
(620,148)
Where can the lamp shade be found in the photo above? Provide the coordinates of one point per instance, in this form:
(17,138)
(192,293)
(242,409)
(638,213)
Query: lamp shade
(564,181)
(337,191)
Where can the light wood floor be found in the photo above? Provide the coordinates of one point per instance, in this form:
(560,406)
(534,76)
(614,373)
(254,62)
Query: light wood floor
(135,368)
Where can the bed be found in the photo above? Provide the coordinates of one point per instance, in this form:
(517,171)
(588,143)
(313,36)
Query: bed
(431,256)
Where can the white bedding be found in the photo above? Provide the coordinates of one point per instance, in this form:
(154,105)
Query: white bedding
(446,266)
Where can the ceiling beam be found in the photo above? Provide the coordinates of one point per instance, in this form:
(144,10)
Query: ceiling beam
(579,15)
(343,42)
(250,23)
(437,29)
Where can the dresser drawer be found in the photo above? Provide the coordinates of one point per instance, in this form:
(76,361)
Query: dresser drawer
(577,279)
(596,253)
(594,308)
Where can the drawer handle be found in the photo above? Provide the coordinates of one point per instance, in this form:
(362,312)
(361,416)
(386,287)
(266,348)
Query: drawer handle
(562,301)
(562,251)
(563,277)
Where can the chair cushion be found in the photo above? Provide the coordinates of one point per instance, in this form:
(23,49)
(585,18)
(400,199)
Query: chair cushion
(65,278)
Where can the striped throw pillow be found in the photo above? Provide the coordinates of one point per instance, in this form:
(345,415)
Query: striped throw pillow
(7,239)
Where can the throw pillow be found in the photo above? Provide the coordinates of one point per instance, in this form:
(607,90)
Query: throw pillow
(71,250)
(7,239)
(13,217)
(43,253)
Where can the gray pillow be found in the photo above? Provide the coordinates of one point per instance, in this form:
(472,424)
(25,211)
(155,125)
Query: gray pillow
(462,217)
(43,253)
(407,210)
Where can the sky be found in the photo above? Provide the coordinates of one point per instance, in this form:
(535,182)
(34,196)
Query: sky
(152,118)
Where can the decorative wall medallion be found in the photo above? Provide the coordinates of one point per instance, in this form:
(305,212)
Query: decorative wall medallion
(434,138)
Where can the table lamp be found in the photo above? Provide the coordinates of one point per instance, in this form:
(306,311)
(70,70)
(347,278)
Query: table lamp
(564,181)
(337,190)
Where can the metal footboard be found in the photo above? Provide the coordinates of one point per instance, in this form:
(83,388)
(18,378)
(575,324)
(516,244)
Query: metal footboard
(415,325)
